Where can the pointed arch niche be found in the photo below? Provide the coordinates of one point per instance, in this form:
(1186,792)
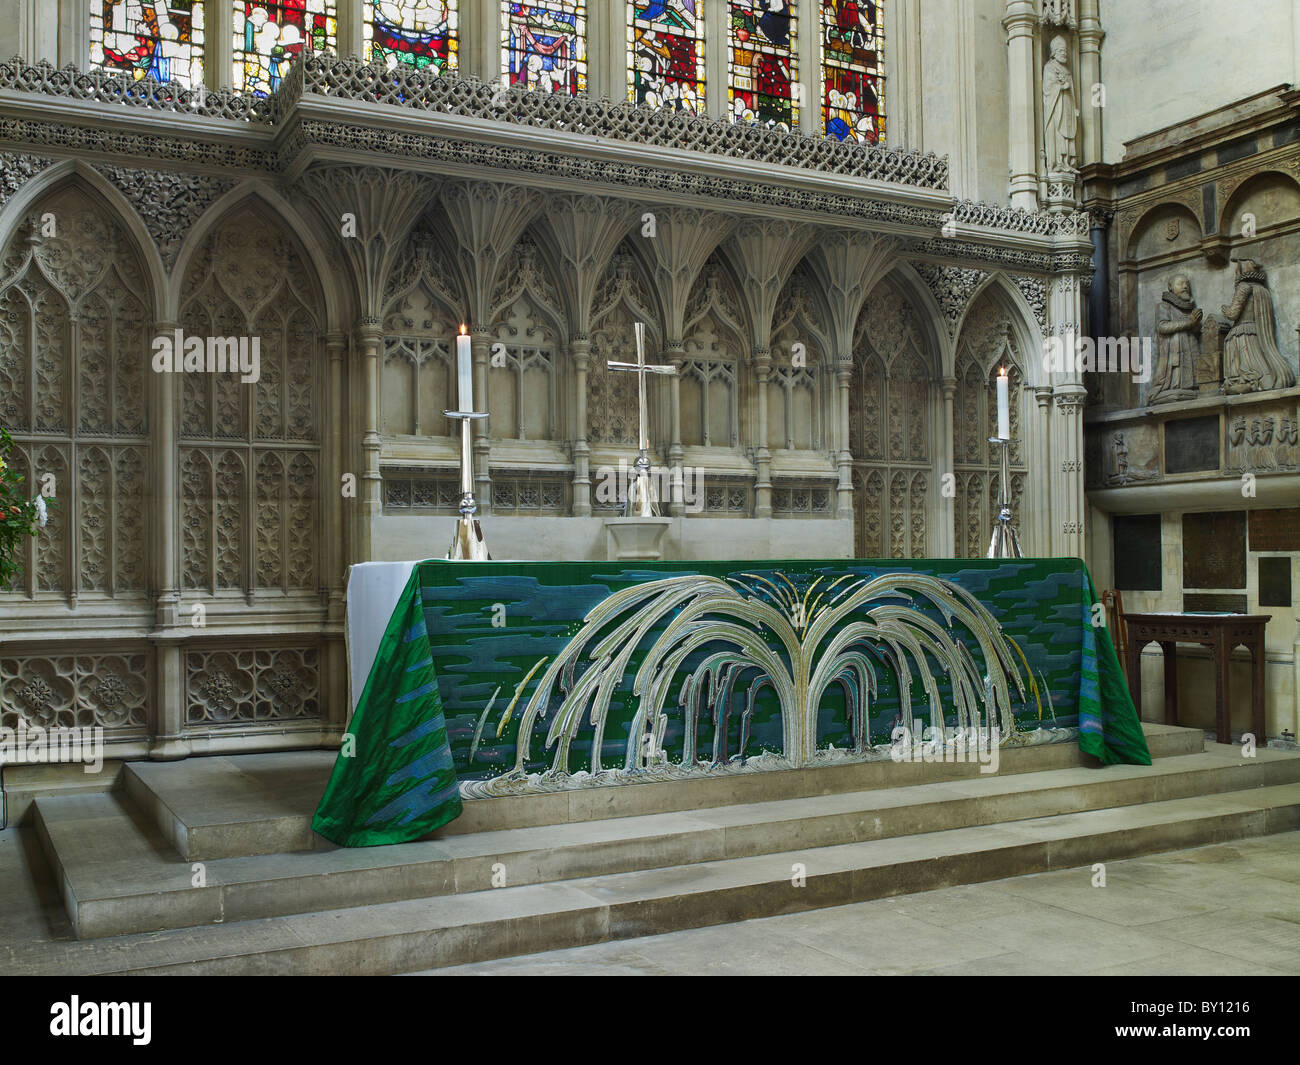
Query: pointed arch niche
(250,453)
(988,341)
(894,415)
(75,325)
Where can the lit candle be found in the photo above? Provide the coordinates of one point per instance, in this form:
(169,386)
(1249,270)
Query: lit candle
(1004,405)
(465,372)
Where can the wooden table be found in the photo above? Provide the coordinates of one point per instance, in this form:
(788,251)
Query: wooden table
(1222,634)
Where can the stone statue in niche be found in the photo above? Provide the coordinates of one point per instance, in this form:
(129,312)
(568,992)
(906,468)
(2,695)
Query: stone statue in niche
(1251,359)
(1178,344)
(1060,112)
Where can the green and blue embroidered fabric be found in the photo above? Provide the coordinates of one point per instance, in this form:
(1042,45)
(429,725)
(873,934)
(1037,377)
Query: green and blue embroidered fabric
(500,672)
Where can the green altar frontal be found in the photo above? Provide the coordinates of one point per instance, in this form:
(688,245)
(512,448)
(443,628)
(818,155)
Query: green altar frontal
(507,678)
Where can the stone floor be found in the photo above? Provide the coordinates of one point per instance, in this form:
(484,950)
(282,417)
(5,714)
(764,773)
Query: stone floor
(1229,909)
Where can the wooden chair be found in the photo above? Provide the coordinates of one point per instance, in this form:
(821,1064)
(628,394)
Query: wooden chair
(1113,601)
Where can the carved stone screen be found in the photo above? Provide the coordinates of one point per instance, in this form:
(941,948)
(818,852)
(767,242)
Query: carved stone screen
(1137,552)
(1275,581)
(1214,550)
(1192,445)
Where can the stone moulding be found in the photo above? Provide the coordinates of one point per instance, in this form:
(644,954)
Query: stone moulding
(351,79)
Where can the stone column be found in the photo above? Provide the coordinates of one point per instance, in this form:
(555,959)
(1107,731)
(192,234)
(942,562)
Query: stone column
(1067,474)
(844,458)
(170,617)
(334,517)
(1091,37)
(164,401)
(1099,291)
(675,354)
(946,542)
(580,350)
(808,49)
(716,56)
(605,58)
(371,337)
(1040,476)
(351,24)
(763,486)
(480,346)
(218,44)
(1020,24)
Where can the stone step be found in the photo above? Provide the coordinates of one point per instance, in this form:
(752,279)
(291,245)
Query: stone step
(118,875)
(231,807)
(427,933)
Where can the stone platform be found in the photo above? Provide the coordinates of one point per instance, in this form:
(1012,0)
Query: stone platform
(267,896)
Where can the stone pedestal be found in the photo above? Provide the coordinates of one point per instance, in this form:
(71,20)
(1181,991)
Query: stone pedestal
(635,539)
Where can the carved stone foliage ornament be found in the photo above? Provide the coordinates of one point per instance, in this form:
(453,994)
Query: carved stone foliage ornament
(16,170)
(1035,292)
(169,204)
(952,287)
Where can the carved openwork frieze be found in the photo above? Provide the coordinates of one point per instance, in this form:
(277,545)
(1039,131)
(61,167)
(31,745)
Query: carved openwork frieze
(231,687)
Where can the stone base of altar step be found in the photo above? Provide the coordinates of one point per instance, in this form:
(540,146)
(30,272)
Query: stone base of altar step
(132,897)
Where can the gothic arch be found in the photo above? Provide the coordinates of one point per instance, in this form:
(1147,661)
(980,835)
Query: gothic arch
(47,181)
(625,295)
(77,314)
(251,453)
(992,335)
(335,288)
(895,435)
(529,367)
(421,312)
(930,320)
(1027,334)
(716,366)
(801,387)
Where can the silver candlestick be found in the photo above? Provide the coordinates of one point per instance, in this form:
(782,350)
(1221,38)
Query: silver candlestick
(1005,543)
(467,544)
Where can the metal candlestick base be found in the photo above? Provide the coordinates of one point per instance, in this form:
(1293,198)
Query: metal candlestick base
(1004,543)
(467,543)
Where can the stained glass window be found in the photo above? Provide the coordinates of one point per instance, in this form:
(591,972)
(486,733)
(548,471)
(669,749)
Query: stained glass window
(665,41)
(270,34)
(419,33)
(853,71)
(544,45)
(163,41)
(764,69)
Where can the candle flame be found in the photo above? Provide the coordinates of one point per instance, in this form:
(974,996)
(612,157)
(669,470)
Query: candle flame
(462,329)
(1002,371)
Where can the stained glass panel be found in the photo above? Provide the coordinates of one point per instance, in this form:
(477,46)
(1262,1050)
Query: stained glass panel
(853,71)
(544,45)
(270,34)
(764,69)
(419,33)
(156,40)
(665,40)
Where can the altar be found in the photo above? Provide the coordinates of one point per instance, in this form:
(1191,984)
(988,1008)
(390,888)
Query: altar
(474,680)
